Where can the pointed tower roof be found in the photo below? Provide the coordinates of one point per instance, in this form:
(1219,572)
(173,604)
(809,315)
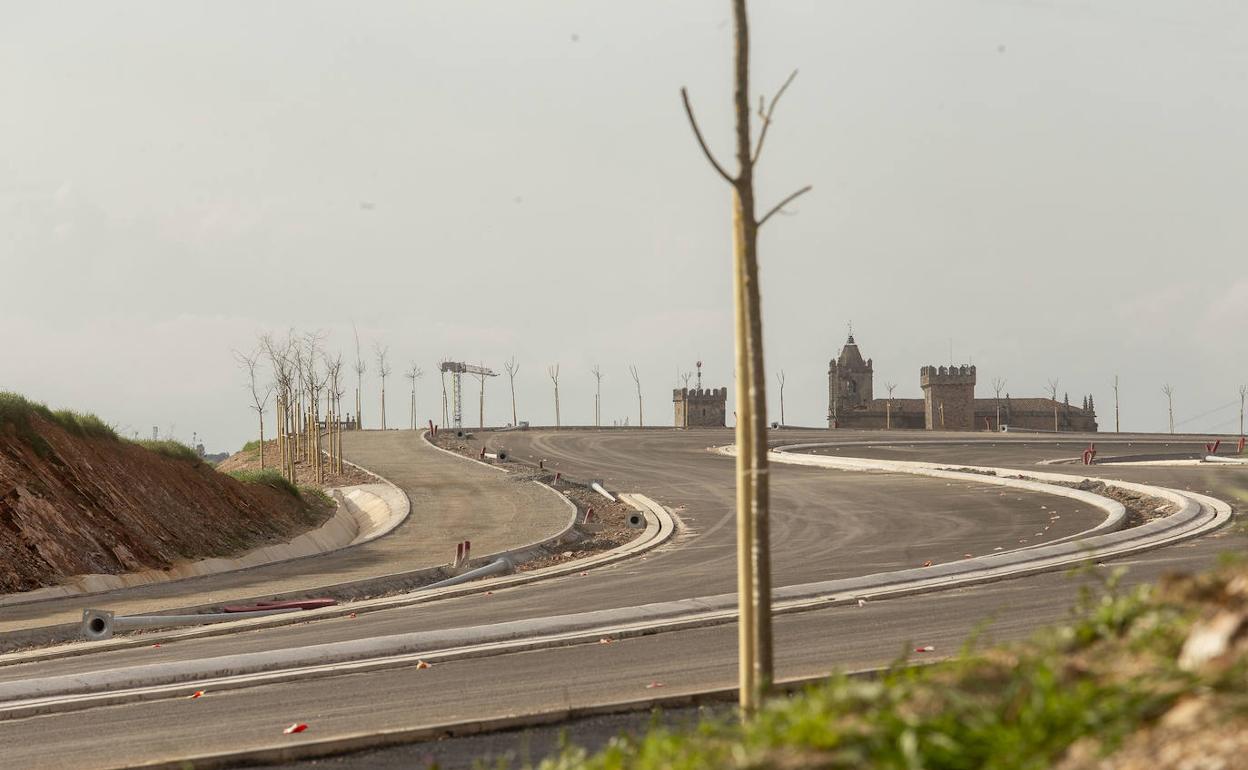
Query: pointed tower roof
(850,357)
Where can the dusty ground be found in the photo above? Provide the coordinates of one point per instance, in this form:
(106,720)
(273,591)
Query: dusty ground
(608,525)
(100,505)
(305,473)
(1141,509)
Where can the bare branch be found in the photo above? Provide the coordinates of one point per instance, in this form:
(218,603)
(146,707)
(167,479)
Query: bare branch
(697,133)
(766,117)
(784,203)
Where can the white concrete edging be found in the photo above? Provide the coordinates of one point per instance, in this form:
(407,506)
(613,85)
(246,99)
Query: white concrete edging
(660,526)
(1197,515)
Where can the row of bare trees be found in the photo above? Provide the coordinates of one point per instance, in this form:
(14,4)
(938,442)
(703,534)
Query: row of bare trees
(307,388)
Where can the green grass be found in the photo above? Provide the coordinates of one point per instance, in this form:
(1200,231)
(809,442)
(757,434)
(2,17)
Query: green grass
(1094,680)
(84,424)
(269,478)
(251,446)
(316,496)
(17,410)
(175,450)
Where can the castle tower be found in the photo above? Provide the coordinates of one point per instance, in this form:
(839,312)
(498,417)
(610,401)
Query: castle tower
(700,407)
(948,397)
(850,381)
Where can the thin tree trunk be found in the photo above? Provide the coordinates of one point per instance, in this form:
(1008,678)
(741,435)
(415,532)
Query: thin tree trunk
(756,493)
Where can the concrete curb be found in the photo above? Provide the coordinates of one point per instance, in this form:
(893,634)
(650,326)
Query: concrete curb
(660,526)
(68,692)
(346,744)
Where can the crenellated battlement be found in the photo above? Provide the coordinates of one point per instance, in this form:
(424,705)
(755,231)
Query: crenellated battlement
(947,375)
(700,407)
(700,394)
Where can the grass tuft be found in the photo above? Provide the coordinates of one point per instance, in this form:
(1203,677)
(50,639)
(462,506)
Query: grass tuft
(1094,681)
(316,496)
(17,410)
(84,424)
(175,450)
(251,446)
(267,477)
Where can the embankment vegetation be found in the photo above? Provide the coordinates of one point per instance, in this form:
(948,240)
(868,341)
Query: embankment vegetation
(1157,671)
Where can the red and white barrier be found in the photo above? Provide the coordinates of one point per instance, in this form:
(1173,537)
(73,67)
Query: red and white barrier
(463,554)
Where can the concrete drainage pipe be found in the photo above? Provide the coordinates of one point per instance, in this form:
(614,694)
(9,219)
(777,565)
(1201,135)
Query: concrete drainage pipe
(98,625)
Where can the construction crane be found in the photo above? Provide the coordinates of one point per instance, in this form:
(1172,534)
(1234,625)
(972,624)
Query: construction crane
(458,370)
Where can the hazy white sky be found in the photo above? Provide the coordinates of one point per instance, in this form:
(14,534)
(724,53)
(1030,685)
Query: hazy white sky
(1055,185)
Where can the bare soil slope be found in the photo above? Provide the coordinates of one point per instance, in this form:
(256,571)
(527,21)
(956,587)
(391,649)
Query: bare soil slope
(305,472)
(72,505)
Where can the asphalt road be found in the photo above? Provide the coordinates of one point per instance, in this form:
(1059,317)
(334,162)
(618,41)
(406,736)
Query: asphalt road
(452,499)
(825,524)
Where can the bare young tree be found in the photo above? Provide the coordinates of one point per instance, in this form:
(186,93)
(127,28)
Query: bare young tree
(383,371)
(259,394)
(360,368)
(1243,393)
(1168,391)
(413,374)
(1117,426)
(317,380)
(333,415)
(512,367)
(553,371)
(597,370)
(753,529)
(1051,389)
(281,355)
(481,403)
(998,385)
(780,379)
(641,422)
(888,406)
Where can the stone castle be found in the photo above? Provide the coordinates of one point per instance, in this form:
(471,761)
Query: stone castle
(948,402)
(700,407)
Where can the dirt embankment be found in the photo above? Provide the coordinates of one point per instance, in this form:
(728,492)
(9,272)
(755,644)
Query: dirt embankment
(305,472)
(72,505)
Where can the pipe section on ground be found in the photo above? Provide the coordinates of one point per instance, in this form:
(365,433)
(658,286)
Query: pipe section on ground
(98,625)
(499,567)
(597,487)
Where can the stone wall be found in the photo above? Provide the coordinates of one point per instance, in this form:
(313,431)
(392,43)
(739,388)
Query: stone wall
(700,408)
(949,397)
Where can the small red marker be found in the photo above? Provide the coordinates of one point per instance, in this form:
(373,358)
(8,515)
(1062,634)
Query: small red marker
(297,727)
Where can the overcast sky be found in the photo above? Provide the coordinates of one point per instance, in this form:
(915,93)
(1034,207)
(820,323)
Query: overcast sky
(1057,187)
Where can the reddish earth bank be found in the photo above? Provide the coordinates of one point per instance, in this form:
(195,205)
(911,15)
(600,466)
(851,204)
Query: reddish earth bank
(81,505)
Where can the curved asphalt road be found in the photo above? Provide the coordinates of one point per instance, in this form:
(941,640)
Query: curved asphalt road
(452,499)
(825,524)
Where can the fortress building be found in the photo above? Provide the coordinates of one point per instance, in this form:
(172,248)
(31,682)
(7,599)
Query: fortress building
(948,402)
(700,407)
(849,380)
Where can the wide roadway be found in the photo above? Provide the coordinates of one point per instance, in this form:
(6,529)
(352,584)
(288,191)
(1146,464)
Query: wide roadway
(449,496)
(824,524)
